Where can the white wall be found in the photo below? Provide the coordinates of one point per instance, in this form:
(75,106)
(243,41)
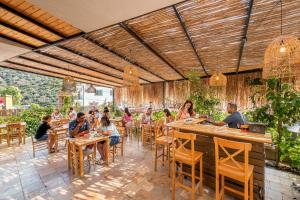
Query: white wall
(93,98)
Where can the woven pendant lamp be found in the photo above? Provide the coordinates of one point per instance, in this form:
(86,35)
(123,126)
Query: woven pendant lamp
(69,85)
(218,80)
(282,57)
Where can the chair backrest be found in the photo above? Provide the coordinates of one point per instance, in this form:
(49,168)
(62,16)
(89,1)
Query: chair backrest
(183,140)
(158,128)
(239,147)
(14,127)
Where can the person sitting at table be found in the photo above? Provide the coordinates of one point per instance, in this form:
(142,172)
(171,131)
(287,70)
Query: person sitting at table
(168,116)
(72,114)
(92,119)
(147,117)
(186,111)
(127,120)
(41,133)
(106,112)
(109,129)
(79,126)
(56,115)
(234,120)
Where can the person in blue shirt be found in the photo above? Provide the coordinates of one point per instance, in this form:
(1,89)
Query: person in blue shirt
(79,126)
(234,120)
(109,129)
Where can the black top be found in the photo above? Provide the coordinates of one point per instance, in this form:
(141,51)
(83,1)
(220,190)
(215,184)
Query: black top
(42,130)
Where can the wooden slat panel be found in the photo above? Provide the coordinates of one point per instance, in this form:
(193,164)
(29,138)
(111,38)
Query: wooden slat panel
(117,39)
(163,32)
(58,52)
(88,48)
(216,28)
(43,17)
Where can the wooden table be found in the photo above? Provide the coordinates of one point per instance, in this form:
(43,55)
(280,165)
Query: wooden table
(23,131)
(82,142)
(205,144)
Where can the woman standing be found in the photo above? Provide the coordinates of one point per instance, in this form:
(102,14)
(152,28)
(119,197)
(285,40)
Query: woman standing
(92,119)
(186,111)
(127,120)
(109,129)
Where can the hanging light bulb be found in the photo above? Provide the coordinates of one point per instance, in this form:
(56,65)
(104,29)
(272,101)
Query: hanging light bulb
(282,49)
(217,78)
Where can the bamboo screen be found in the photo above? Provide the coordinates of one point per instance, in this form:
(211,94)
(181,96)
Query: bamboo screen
(176,92)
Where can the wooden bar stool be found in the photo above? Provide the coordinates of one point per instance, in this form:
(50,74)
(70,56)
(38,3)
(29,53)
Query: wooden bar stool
(162,138)
(147,134)
(231,168)
(186,156)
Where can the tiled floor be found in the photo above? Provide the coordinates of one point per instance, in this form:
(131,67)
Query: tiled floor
(130,177)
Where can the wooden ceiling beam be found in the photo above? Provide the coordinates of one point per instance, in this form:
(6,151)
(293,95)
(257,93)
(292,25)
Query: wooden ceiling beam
(37,23)
(73,63)
(244,38)
(51,74)
(31,67)
(138,38)
(121,56)
(188,35)
(93,59)
(28,34)
(58,67)
(18,41)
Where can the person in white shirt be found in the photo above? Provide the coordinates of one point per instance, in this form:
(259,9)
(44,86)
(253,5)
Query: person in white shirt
(56,115)
(72,114)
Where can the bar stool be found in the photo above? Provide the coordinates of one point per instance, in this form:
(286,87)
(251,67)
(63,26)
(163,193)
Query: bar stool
(229,167)
(186,156)
(164,140)
(147,134)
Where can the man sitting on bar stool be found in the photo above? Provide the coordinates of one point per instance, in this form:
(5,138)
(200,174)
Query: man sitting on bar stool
(234,120)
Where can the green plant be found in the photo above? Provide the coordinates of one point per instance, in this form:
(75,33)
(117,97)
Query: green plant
(202,95)
(282,108)
(67,104)
(158,115)
(290,149)
(14,91)
(33,116)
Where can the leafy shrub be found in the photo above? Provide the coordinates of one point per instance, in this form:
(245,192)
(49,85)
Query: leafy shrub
(158,115)
(33,117)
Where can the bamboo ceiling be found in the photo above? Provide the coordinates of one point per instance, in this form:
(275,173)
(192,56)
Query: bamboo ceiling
(163,45)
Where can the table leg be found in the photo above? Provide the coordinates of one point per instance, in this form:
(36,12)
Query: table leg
(69,157)
(80,161)
(107,150)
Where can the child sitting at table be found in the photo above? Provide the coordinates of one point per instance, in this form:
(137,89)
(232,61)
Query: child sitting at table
(109,129)
(41,133)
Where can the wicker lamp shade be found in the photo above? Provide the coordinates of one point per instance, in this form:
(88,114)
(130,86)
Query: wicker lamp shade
(282,58)
(131,76)
(69,85)
(218,80)
(91,89)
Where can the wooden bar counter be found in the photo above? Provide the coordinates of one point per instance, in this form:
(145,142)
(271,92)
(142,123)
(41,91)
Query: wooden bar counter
(205,144)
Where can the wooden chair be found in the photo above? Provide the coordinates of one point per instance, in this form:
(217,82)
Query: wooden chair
(3,133)
(74,160)
(39,145)
(14,131)
(165,140)
(120,145)
(147,134)
(64,121)
(60,135)
(187,156)
(231,168)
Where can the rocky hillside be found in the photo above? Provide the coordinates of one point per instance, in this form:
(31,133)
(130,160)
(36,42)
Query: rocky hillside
(36,89)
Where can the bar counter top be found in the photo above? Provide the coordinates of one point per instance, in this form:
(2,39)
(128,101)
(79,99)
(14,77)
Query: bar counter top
(220,131)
